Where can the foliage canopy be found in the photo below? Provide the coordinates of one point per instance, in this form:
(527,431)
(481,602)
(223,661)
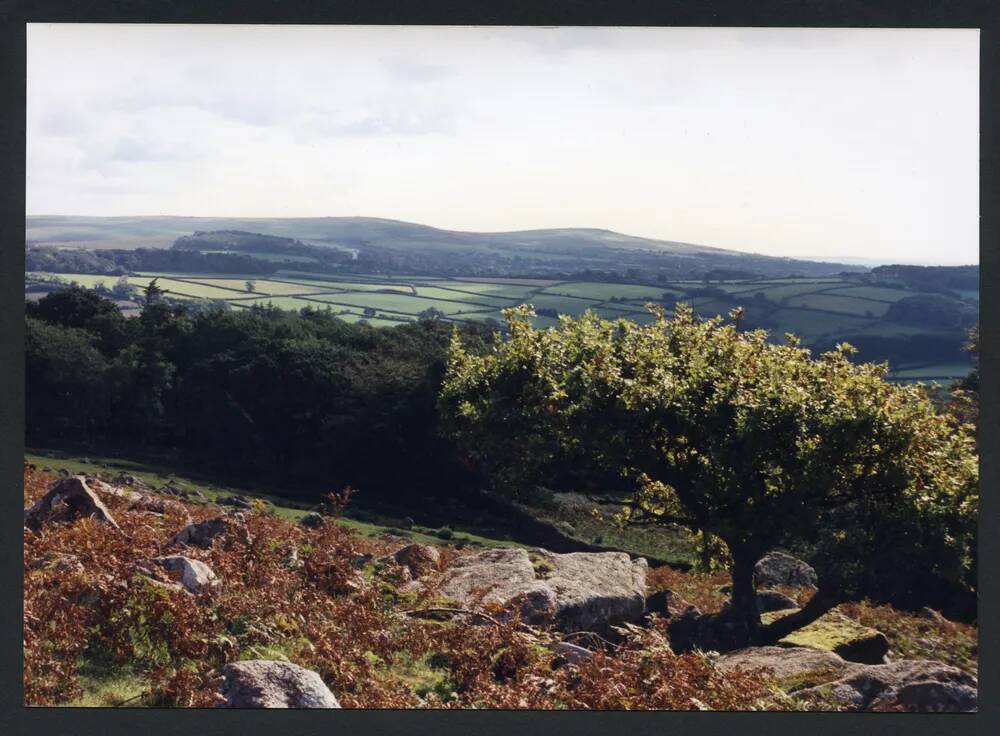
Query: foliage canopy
(757,444)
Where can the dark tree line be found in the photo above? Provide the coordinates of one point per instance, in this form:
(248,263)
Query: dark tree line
(305,398)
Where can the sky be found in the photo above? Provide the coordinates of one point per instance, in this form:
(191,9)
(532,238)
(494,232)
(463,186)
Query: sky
(825,143)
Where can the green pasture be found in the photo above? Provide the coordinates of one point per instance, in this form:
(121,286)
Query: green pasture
(879,293)
(512,291)
(833,302)
(603,292)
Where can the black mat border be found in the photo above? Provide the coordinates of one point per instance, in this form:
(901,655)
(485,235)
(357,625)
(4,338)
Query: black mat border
(15,719)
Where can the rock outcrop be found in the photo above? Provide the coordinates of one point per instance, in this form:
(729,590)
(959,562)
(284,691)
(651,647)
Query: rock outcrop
(579,591)
(68,499)
(265,683)
(779,568)
(782,662)
(909,685)
(312,520)
(202,533)
(420,559)
(834,632)
(194,575)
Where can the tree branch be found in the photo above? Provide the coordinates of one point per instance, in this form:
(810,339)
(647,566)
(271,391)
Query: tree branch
(819,604)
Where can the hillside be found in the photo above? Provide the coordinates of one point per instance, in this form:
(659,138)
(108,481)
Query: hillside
(137,596)
(392,246)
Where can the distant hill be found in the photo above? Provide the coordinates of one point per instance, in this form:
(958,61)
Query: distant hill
(394,246)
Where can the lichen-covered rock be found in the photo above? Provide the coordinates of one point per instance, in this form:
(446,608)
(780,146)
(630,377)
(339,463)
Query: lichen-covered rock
(834,632)
(913,685)
(194,575)
(312,520)
(202,533)
(580,591)
(783,662)
(421,559)
(779,568)
(70,498)
(262,683)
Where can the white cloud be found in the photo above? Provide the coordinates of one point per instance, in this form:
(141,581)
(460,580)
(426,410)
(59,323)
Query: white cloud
(785,141)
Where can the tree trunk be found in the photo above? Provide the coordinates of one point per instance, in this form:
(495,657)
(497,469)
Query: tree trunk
(743,606)
(820,603)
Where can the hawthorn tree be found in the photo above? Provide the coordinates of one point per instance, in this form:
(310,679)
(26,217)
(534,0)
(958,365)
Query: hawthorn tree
(755,444)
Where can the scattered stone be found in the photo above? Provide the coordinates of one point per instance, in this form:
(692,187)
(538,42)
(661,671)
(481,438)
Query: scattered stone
(65,564)
(779,568)
(194,575)
(107,489)
(421,559)
(69,499)
(239,502)
(913,685)
(408,523)
(360,560)
(271,684)
(201,534)
(127,479)
(570,653)
(312,520)
(834,632)
(169,587)
(935,616)
(64,473)
(782,662)
(669,604)
(395,574)
(581,591)
(290,556)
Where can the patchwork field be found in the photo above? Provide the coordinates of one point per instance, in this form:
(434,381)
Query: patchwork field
(816,309)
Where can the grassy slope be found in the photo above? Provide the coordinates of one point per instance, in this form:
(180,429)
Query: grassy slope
(157,476)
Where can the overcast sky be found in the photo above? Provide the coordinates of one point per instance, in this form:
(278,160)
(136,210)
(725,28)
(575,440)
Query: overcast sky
(823,143)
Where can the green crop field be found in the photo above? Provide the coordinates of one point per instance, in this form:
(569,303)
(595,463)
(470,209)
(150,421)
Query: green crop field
(513,291)
(433,292)
(809,324)
(396,303)
(813,309)
(876,292)
(832,302)
(778,291)
(261,286)
(603,292)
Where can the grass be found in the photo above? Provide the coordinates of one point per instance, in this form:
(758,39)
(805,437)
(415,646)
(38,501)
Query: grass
(262,286)
(829,632)
(371,525)
(603,292)
(833,302)
(397,303)
(877,292)
(109,686)
(574,515)
(512,291)
(917,637)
